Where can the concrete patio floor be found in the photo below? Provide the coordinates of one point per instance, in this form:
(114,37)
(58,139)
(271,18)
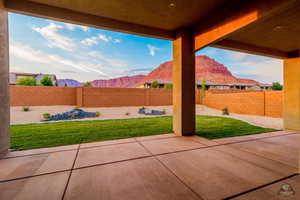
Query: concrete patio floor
(156,167)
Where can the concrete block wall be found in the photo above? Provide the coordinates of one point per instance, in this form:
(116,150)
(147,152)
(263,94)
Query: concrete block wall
(269,103)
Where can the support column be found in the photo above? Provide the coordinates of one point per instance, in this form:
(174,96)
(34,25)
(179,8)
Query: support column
(4,89)
(183,84)
(291,107)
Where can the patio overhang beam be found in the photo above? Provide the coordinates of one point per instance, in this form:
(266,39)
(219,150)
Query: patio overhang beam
(235,16)
(251,49)
(65,15)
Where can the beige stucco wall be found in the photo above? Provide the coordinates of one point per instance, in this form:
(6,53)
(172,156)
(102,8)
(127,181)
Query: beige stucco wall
(291,109)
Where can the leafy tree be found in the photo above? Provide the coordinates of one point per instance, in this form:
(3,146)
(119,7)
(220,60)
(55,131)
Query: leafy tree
(203,90)
(154,84)
(168,86)
(26,81)
(276,86)
(87,84)
(46,81)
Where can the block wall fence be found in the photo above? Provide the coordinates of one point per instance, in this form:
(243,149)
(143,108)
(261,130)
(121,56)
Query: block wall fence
(263,103)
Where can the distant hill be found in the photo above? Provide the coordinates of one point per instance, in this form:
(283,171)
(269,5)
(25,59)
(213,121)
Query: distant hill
(68,83)
(121,82)
(206,69)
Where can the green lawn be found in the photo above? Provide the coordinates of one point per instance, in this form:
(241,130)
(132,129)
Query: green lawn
(31,136)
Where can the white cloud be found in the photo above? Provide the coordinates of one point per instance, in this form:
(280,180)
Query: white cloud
(152,49)
(27,53)
(106,38)
(84,28)
(116,63)
(54,38)
(72,27)
(89,41)
(260,68)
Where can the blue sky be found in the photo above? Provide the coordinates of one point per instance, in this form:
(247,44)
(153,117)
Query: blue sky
(83,53)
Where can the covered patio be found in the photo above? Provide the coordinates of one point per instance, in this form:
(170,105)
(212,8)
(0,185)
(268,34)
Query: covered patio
(156,167)
(166,167)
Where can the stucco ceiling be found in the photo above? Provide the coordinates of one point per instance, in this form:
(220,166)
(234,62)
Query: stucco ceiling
(162,14)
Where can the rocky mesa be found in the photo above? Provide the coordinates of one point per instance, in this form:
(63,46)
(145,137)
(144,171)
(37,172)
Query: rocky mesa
(206,69)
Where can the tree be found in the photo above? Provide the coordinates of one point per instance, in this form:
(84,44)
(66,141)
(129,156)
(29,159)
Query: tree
(87,84)
(276,86)
(203,90)
(26,81)
(46,81)
(168,86)
(154,84)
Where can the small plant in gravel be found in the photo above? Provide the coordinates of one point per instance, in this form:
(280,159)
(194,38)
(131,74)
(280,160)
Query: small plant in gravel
(25,109)
(98,114)
(127,113)
(76,108)
(46,115)
(225,111)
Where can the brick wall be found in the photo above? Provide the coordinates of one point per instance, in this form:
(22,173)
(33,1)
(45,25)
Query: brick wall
(267,103)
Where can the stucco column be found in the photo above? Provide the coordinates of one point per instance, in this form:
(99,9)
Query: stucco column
(183,84)
(291,107)
(4,90)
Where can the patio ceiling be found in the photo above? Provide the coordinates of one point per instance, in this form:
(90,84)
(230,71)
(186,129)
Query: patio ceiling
(266,27)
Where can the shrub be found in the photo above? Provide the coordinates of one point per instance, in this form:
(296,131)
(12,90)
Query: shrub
(276,86)
(87,84)
(46,81)
(154,84)
(26,81)
(25,109)
(127,113)
(225,111)
(76,108)
(164,111)
(98,114)
(168,86)
(46,115)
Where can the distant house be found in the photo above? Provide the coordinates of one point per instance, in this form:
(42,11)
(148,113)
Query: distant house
(217,86)
(14,77)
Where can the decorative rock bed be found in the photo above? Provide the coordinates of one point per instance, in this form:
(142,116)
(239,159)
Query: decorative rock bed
(73,114)
(146,111)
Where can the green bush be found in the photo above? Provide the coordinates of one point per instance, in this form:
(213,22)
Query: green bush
(155,84)
(46,81)
(26,81)
(276,86)
(87,84)
(25,109)
(98,114)
(164,111)
(76,108)
(225,111)
(168,86)
(46,115)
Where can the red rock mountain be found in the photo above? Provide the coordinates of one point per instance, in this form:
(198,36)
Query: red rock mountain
(206,69)
(121,82)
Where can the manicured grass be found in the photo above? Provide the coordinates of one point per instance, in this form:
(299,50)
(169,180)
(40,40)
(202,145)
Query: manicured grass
(31,136)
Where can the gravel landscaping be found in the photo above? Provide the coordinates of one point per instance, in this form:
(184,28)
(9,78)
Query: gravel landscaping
(35,114)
